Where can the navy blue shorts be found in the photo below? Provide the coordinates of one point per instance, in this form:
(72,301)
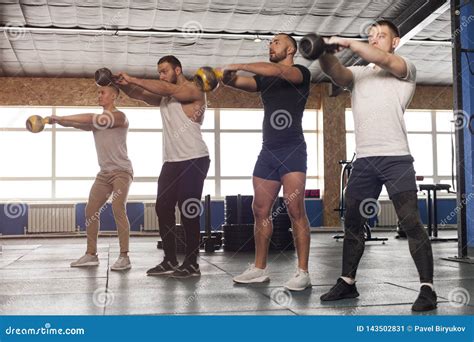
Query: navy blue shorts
(370,174)
(274,164)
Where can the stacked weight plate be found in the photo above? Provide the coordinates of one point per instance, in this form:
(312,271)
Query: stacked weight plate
(238,227)
(230,210)
(282,238)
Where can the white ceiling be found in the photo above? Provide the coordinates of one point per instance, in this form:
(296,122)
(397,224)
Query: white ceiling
(184,27)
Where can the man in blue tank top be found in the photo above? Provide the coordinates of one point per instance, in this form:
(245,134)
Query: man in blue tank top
(284,89)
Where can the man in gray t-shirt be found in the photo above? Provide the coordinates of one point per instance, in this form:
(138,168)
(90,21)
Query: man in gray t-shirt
(114,179)
(381,92)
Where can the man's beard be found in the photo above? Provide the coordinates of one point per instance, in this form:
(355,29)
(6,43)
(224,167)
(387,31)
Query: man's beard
(277,57)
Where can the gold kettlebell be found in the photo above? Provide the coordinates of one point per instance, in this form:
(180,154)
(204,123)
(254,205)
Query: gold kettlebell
(36,123)
(207,78)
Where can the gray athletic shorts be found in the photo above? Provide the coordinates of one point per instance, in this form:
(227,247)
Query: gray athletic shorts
(369,174)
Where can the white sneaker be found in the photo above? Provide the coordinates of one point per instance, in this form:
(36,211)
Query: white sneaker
(122,263)
(299,282)
(252,275)
(86,260)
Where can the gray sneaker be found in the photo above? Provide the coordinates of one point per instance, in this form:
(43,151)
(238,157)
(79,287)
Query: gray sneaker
(252,275)
(299,282)
(86,260)
(122,263)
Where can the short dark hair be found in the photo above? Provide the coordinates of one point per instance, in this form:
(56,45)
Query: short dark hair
(292,40)
(389,24)
(171,60)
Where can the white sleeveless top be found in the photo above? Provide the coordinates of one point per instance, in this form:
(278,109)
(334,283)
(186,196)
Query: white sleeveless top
(182,138)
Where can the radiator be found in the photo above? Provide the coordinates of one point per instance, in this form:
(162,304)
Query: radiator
(387,216)
(51,218)
(151,220)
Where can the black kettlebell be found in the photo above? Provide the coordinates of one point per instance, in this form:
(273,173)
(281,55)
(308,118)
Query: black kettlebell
(104,77)
(312,46)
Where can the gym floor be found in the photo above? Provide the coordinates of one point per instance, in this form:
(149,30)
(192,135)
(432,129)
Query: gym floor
(35,279)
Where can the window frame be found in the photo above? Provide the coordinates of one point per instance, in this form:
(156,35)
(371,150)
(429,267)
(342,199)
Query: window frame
(217,131)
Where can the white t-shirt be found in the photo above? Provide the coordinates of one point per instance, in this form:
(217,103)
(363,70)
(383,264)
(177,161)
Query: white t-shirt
(379,100)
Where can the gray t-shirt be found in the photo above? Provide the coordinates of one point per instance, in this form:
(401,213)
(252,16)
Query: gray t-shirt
(111,146)
(379,100)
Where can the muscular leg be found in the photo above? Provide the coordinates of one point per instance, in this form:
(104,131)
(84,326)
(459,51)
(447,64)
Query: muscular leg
(406,206)
(265,192)
(293,192)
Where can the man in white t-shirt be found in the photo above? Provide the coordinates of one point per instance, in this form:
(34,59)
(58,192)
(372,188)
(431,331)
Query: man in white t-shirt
(381,92)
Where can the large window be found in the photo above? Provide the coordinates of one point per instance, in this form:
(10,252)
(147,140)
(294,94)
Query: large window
(429,138)
(61,163)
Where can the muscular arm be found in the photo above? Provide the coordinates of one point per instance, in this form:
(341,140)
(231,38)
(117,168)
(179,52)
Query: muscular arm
(338,73)
(390,62)
(289,73)
(138,93)
(240,82)
(186,92)
(90,122)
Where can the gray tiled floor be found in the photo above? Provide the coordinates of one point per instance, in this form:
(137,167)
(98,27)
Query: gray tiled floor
(35,278)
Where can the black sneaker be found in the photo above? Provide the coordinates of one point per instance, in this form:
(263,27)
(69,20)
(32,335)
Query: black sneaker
(166,267)
(186,271)
(341,290)
(426,300)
